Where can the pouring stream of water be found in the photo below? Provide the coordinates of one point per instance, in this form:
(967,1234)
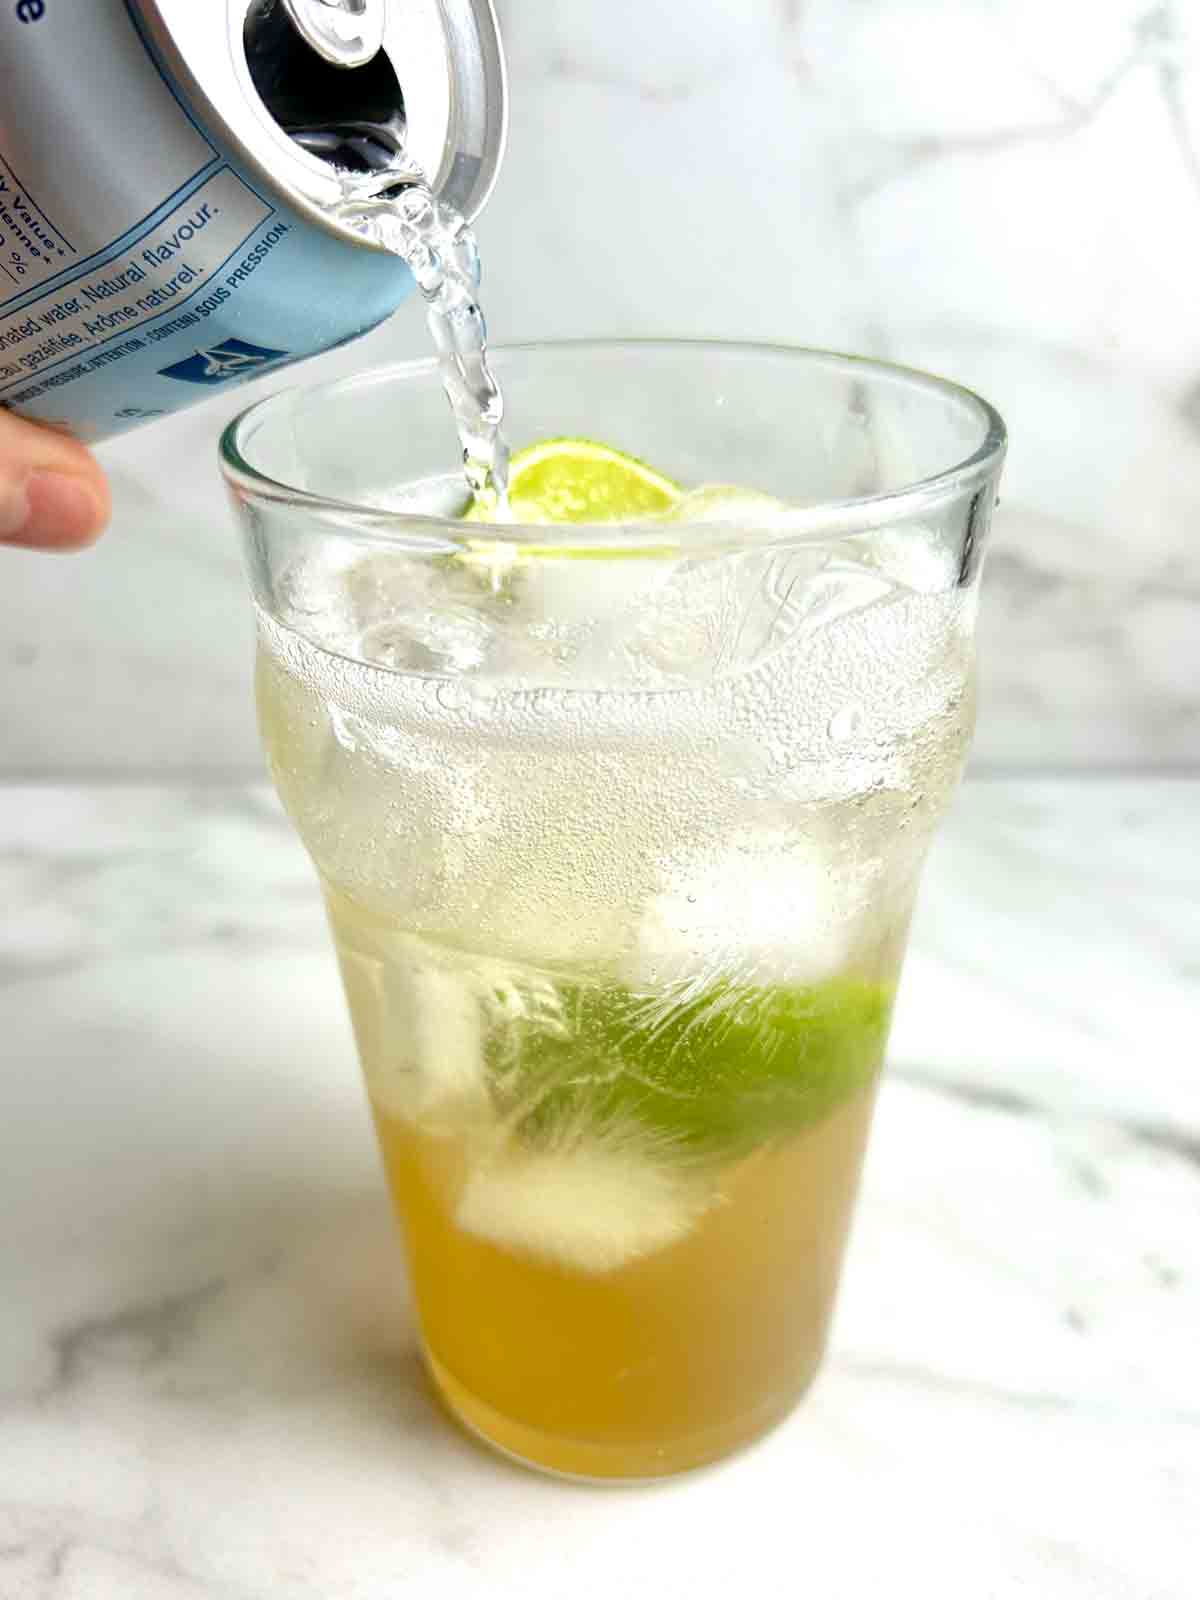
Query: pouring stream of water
(395,207)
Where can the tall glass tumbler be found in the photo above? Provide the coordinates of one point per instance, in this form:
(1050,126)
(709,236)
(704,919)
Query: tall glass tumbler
(619,828)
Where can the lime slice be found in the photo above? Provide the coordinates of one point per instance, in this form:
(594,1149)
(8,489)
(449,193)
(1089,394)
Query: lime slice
(620,1107)
(718,1072)
(578,480)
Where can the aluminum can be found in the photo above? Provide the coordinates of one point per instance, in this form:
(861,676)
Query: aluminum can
(169,176)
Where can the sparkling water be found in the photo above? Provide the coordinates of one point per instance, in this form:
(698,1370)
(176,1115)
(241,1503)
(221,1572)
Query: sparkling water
(450,772)
(396,208)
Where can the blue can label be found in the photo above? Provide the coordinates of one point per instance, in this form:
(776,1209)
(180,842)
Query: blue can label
(135,278)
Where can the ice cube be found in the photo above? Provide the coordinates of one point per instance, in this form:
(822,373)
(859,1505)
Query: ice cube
(839,590)
(773,910)
(443,495)
(577,590)
(595,1199)
(420,1031)
(746,509)
(429,639)
(913,557)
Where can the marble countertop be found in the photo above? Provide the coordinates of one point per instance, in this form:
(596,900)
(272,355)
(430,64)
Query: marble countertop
(209,1386)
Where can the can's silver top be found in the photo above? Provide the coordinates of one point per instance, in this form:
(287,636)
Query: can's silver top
(347,33)
(282,73)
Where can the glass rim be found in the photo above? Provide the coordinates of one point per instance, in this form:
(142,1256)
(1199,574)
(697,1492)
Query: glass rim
(819,520)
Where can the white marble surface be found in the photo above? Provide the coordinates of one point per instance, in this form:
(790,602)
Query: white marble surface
(208,1381)
(1003,190)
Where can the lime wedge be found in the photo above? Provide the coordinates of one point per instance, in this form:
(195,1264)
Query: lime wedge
(578,480)
(717,1071)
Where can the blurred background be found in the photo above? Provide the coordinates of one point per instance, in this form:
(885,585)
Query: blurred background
(1004,191)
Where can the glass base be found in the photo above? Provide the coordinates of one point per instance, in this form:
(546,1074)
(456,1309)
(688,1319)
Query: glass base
(611,1463)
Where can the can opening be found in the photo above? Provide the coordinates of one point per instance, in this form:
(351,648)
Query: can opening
(350,117)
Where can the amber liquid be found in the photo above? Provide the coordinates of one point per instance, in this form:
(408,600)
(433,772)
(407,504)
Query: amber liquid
(478,877)
(659,1365)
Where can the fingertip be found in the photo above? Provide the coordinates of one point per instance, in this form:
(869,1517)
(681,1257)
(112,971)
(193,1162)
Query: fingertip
(53,493)
(65,512)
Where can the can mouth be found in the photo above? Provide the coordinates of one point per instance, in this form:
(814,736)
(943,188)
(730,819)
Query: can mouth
(433,87)
(350,115)
(298,112)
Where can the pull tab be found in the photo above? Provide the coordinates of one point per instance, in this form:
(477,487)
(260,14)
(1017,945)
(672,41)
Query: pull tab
(346,33)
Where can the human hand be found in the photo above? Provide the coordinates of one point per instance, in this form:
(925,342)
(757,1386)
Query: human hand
(52,493)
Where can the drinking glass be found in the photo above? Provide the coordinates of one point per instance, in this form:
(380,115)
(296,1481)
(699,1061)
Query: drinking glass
(619,827)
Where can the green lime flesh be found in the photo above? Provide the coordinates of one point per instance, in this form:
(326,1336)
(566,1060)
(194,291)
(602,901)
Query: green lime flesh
(720,1071)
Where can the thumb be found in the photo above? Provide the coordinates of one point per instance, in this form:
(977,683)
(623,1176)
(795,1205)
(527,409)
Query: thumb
(52,494)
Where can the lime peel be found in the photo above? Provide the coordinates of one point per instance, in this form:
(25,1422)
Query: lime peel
(573,480)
